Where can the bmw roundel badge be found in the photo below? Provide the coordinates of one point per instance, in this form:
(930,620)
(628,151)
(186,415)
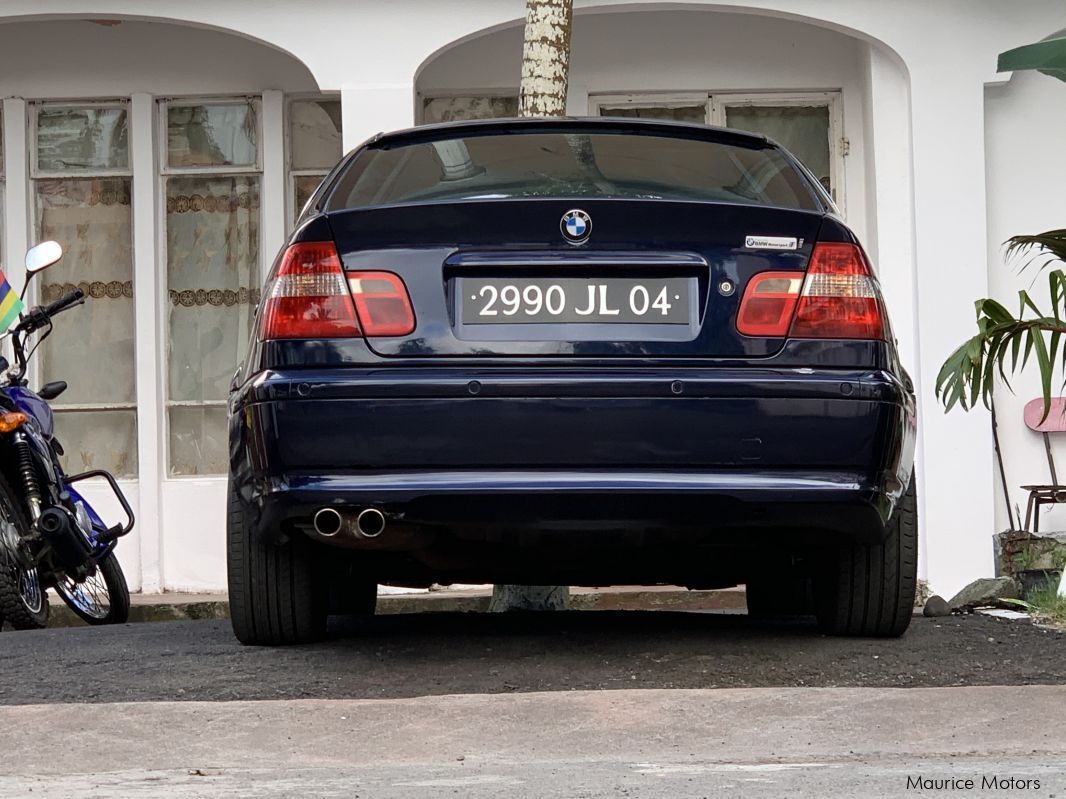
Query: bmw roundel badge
(576,226)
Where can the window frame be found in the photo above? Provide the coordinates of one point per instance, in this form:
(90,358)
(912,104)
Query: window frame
(831,100)
(34,108)
(597,102)
(163,173)
(33,175)
(474,94)
(718,102)
(291,211)
(163,137)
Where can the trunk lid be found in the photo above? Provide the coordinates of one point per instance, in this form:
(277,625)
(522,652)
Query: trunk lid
(455,257)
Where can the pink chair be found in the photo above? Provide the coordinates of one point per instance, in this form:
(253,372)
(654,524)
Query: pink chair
(1054,423)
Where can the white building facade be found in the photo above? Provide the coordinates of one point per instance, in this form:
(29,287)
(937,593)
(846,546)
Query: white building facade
(168,147)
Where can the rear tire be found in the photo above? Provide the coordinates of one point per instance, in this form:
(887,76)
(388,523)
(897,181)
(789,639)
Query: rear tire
(869,590)
(23,598)
(276,592)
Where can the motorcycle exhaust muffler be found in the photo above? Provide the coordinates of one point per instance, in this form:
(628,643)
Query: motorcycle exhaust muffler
(72,551)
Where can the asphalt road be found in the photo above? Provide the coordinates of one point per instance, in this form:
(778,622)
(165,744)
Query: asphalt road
(433,654)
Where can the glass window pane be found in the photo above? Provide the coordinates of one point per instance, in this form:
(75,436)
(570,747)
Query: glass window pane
(303,187)
(802,130)
(91,218)
(213,286)
(198,440)
(98,440)
(212,135)
(575,163)
(315,134)
(680,113)
(82,139)
(454,109)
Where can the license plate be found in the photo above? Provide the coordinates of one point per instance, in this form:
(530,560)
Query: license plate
(575,300)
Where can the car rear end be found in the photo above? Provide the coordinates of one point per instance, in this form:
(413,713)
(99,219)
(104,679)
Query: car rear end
(571,352)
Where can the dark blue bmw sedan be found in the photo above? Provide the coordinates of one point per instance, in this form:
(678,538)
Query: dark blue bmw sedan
(571,352)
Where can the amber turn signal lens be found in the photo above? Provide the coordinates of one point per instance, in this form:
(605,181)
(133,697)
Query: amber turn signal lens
(12,420)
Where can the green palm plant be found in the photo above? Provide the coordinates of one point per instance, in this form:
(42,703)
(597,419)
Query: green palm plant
(1005,342)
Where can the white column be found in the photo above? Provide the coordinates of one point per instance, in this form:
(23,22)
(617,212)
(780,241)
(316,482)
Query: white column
(956,489)
(17,201)
(577,100)
(367,110)
(275,222)
(148,300)
(891,211)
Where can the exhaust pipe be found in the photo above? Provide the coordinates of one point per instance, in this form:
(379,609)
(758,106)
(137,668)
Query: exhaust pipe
(328,522)
(370,523)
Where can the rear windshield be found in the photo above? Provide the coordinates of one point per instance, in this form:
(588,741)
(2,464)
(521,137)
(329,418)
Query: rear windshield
(572,165)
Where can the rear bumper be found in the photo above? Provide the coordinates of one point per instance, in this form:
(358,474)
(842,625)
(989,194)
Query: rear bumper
(713,451)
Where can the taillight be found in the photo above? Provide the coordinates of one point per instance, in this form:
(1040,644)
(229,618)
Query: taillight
(840,296)
(312,297)
(768,303)
(382,302)
(308,297)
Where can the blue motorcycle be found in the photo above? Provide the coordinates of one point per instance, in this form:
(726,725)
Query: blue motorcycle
(50,537)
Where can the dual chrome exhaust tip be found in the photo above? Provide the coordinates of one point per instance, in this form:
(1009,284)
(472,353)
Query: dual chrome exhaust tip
(368,523)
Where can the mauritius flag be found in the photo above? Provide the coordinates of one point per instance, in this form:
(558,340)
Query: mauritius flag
(10,304)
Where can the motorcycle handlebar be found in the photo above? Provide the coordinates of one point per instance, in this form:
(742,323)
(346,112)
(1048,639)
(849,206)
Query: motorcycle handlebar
(70,298)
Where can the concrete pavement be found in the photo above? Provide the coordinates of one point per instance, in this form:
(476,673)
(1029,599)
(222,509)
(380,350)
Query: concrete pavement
(772,742)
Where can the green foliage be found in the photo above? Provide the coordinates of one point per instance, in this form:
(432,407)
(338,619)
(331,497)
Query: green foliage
(1022,560)
(1005,342)
(1045,603)
(1058,560)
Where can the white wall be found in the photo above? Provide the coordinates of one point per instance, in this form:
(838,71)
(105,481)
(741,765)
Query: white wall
(1026,174)
(74,58)
(194,544)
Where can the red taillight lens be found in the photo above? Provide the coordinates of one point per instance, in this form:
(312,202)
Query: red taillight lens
(308,297)
(382,302)
(840,296)
(768,303)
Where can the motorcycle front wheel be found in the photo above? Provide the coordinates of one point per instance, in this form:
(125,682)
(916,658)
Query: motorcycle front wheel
(102,598)
(23,600)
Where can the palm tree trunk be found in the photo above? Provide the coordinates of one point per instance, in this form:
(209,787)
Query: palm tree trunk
(546,58)
(545,76)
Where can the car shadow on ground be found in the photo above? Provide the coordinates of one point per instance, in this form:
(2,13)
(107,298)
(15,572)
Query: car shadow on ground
(399,656)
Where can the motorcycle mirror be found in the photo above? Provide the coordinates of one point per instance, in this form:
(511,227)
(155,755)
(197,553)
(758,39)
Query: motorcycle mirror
(43,256)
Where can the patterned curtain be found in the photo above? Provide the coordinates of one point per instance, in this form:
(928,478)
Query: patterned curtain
(213,288)
(90,218)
